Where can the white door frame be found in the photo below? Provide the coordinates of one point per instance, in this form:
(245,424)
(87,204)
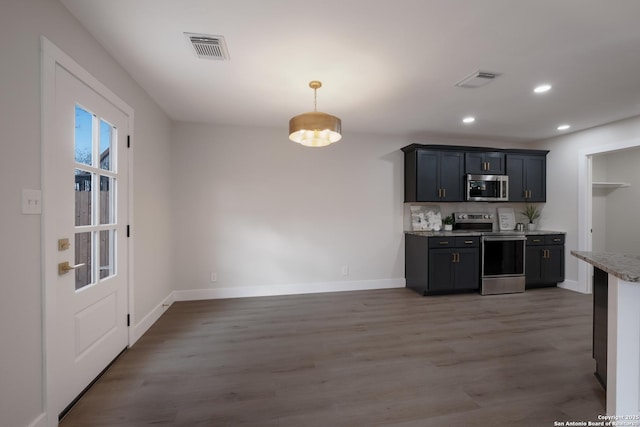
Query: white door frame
(51,55)
(585,201)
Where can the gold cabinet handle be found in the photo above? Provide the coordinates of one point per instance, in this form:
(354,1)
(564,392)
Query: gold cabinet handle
(444,243)
(64,267)
(444,193)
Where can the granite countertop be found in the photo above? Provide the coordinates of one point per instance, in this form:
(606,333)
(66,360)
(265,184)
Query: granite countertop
(623,266)
(479,233)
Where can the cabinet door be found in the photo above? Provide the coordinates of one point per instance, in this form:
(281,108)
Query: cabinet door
(516,173)
(533,265)
(452,176)
(474,163)
(440,269)
(467,269)
(427,182)
(495,163)
(554,264)
(484,163)
(535,178)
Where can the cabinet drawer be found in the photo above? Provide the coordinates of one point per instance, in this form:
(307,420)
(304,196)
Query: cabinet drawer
(554,239)
(469,241)
(538,239)
(442,242)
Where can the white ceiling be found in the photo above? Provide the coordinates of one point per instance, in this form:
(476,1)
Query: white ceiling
(386,66)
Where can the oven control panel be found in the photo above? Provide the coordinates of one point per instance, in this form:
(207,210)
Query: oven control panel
(471,217)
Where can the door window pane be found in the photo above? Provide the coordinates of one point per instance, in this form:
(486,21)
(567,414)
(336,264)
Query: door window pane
(107,191)
(84,251)
(83,136)
(83,197)
(106,138)
(107,253)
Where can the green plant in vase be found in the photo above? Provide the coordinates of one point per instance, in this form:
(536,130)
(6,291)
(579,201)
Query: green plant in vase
(532,213)
(448,222)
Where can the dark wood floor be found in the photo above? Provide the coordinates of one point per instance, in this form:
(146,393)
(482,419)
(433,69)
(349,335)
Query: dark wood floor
(388,357)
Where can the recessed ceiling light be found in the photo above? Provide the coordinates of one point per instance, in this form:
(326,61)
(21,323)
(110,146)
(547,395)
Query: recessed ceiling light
(468,120)
(563,127)
(542,88)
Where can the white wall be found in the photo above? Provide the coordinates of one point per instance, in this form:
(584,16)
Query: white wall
(22,22)
(262,211)
(562,178)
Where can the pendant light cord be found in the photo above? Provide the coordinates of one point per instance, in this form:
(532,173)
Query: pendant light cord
(315,100)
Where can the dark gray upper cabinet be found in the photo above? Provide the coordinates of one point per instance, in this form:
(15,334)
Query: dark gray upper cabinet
(484,163)
(436,173)
(434,176)
(527,177)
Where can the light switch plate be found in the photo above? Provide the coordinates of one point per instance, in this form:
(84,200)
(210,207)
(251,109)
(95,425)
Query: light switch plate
(31,202)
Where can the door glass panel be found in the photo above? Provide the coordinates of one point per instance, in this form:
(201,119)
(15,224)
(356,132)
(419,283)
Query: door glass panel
(107,190)
(107,253)
(106,138)
(83,136)
(84,252)
(95,188)
(83,197)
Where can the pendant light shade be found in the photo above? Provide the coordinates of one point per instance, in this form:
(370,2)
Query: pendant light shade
(315,129)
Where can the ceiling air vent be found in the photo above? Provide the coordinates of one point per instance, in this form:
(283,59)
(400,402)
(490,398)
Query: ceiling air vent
(477,79)
(208,47)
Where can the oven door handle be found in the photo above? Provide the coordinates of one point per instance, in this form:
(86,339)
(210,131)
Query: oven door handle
(502,238)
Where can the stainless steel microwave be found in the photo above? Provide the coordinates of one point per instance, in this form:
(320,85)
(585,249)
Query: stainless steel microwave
(487,188)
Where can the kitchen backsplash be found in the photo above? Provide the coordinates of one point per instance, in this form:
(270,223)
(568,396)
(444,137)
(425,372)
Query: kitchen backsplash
(448,208)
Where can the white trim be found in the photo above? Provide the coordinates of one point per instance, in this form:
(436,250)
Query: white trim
(575,286)
(585,180)
(289,289)
(50,56)
(40,421)
(151,318)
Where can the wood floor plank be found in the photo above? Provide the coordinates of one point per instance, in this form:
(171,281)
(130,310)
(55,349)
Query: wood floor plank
(386,357)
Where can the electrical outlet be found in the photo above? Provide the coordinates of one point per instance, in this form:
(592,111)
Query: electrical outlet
(214,276)
(345,270)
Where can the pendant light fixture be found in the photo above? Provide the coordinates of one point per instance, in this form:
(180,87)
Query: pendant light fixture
(315,129)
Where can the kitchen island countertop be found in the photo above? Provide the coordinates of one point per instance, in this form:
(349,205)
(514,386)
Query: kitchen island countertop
(621,265)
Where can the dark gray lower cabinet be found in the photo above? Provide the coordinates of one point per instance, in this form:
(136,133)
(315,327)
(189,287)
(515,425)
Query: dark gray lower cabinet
(442,264)
(544,260)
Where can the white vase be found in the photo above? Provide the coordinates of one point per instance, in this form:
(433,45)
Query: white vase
(531,226)
(448,227)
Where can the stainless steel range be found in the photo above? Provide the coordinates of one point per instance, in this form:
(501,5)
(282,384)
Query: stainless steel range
(503,253)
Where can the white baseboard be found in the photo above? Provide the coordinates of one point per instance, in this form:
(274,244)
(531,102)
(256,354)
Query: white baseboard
(573,285)
(290,289)
(147,321)
(40,421)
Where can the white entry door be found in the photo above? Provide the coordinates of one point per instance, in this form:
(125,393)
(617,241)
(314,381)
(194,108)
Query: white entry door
(85,207)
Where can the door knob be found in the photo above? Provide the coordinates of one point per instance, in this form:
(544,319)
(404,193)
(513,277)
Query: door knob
(64,267)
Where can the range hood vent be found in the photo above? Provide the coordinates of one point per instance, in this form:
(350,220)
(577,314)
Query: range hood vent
(477,79)
(208,47)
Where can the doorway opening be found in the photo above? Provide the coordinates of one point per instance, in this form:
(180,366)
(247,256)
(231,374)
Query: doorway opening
(595,184)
